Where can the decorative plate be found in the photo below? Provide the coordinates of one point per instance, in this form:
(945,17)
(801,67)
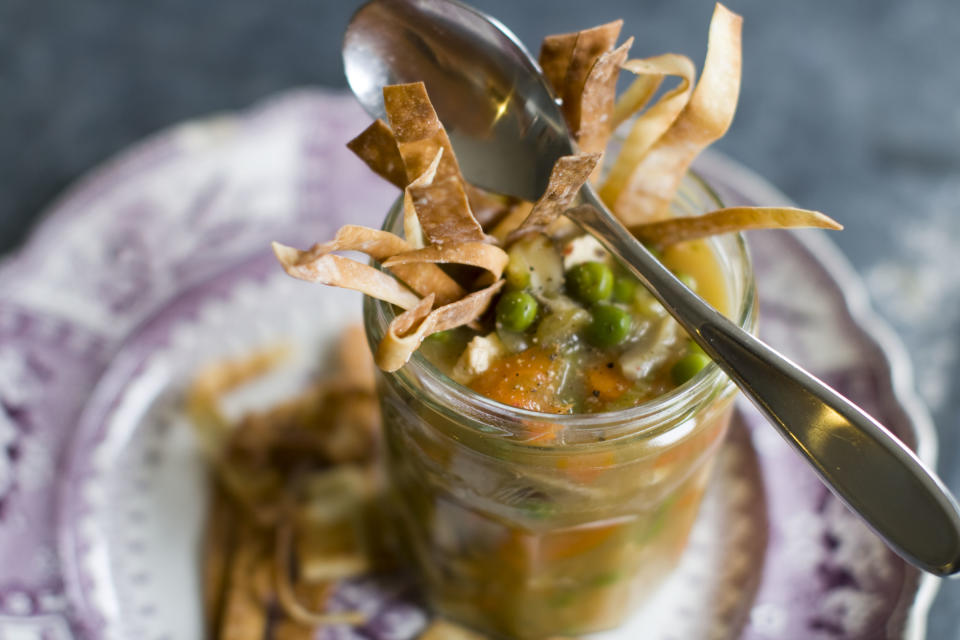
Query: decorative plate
(158,263)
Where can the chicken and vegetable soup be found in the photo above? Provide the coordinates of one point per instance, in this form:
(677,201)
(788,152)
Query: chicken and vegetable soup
(575,332)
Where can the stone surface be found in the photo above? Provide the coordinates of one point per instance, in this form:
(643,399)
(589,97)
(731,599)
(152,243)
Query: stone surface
(850,108)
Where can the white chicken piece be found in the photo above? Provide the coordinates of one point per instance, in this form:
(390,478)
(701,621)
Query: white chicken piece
(582,249)
(481,352)
(656,345)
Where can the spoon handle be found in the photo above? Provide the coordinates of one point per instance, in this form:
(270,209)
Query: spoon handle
(870,470)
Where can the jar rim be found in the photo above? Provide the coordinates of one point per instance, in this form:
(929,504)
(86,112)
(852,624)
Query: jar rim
(639,420)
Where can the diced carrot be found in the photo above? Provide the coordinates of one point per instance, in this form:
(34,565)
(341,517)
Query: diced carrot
(526,380)
(586,467)
(542,433)
(574,542)
(605,382)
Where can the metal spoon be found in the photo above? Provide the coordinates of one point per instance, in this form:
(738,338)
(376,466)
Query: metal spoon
(508,131)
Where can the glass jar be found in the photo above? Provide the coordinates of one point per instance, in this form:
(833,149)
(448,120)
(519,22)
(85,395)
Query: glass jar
(525,540)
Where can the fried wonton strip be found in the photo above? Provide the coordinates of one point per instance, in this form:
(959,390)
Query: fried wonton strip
(286,629)
(212,382)
(443,630)
(377,147)
(486,207)
(705,118)
(285,591)
(376,243)
(510,222)
(568,175)
(356,369)
(409,329)
(418,131)
(444,213)
(412,230)
(555,54)
(598,98)
(218,544)
(424,279)
(338,271)
(635,98)
(733,219)
(649,126)
(590,45)
(476,254)
(244,613)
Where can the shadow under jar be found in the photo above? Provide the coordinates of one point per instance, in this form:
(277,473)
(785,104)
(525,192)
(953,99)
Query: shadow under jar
(526,540)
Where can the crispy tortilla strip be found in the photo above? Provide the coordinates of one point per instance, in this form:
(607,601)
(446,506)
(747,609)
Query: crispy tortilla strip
(218,544)
(705,118)
(377,147)
(443,630)
(648,128)
(635,98)
(376,243)
(412,230)
(286,594)
(598,99)
(418,131)
(424,279)
(487,208)
(409,329)
(476,254)
(444,213)
(590,45)
(291,630)
(213,381)
(219,378)
(244,613)
(568,176)
(733,219)
(555,54)
(514,218)
(343,272)
(356,370)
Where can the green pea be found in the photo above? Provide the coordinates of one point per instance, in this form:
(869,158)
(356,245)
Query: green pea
(517,274)
(693,347)
(624,289)
(516,310)
(441,337)
(688,280)
(609,327)
(590,282)
(688,366)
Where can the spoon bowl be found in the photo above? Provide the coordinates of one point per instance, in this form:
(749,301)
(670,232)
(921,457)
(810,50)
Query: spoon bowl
(508,132)
(485,87)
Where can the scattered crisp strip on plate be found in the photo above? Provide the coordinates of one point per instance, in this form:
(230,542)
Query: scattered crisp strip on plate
(293,486)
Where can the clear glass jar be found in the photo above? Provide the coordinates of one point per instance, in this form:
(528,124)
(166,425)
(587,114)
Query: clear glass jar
(522,540)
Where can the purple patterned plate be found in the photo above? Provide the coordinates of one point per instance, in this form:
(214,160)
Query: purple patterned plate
(157,263)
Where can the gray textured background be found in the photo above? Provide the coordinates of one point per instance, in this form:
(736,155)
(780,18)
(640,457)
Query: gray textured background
(850,107)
